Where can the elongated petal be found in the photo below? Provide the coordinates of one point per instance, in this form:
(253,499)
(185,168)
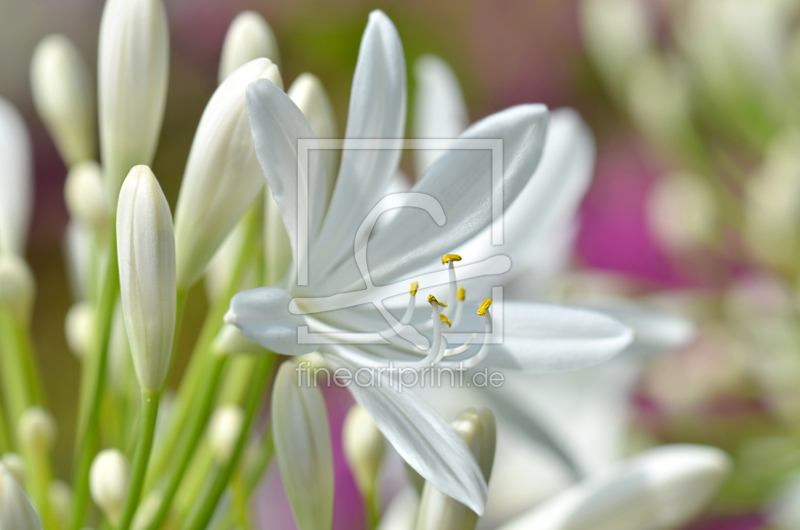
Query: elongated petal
(439,109)
(16,509)
(401,512)
(249,37)
(656,331)
(16,180)
(656,490)
(377,111)
(303,447)
(263,316)
(424,440)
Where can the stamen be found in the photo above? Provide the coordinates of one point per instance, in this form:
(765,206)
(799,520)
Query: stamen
(462,294)
(446,321)
(484,306)
(432,300)
(414,288)
(461,349)
(449,258)
(485,347)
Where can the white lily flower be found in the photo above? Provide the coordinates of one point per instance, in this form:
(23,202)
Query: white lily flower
(146,250)
(249,37)
(16,180)
(16,509)
(537,338)
(222,177)
(63,92)
(108,482)
(657,490)
(133,70)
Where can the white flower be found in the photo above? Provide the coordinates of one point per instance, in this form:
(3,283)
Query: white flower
(133,70)
(36,429)
(16,464)
(16,509)
(222,176)
(146,251)
(79,329)
(16,180)
(109,477)
(249,37)
(86,197)
(63,92)
(457,189)
(223,431)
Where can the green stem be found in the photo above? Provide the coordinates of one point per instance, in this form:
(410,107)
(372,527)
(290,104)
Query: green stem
(204,506)
(196,425)
(15,389)
(139,468)
(40,475)
(266,450)
(371,509)
(5,441)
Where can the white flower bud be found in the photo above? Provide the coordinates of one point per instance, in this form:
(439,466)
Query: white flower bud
(36,429)
(249,37)
(681,212)
(109,477)
(16,464)
(78,243)
(79,328)
(16,509)
(86,197)
(16,180)
(230,341)
(223,431)
(17,287)
(146,251)
(63,93)
(133,68)
(60,495)
(222,175)
(364,447)
(437,511)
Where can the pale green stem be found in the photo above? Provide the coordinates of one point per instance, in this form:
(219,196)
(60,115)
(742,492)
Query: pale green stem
(16,394)
(5,441)
(40,474)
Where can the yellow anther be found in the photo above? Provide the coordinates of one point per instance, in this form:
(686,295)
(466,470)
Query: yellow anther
(414,287)
(447,258)
(445,320)
(484,307)
(462,294)
(432,300)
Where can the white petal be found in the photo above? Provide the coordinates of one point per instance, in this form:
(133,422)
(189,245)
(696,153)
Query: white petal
(16,509)
(263,316)
(377,111)
(659,489)
(303,448)
(402,511)
(439,108)
(656,331)
(16,180)
(424,440)
(277,125)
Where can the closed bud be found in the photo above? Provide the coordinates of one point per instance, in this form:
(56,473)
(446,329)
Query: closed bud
(63,93)
(133,68)
(438,511)
(223,431)
(249,37)
(17,287)
(222,177)
(364,447)
(36,430)
(146,251)
(85,196)
(60,495)
(16,464)
(16,509)
(108,482)
(16,180)
(79,328)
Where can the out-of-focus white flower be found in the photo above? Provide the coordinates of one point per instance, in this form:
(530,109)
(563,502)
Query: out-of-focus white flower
(402,511)
(79,328)
(109,477)
(16,464)
(63,93)
(16,180)
(230,341)
(78,247)
(303,447)
(16,509)
(223,431)
(146,251)
(222,175)
(133,71)
(60,496)
(36,429)
(17,287)
(86,197)
(249,37)
(681,212)
(364,447)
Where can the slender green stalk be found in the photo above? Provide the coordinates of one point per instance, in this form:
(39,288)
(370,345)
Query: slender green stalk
(22,340)
(40,474)
(371,512)
(240,500)
(16,394)
(5,441)
(266,450)
(140,460)
(205,504)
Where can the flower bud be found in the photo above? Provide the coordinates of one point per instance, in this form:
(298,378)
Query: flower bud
(78,243)
(63,93)
(36,429)
(222,175)
(681,212)
(16,464)
(230,341)
(437,510)
(17,287)
(146,251)
(16,509)
(223,431)
(16,180)
(109,477)
(133,68)
(86,197)
(364,447)
(249,37)
(60,496)
(79,328)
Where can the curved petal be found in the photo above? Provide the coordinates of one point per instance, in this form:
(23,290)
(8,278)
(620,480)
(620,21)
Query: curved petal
(377,111)
(263,316)
(424,440)
(16,180)
(656,331)
(659,489)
